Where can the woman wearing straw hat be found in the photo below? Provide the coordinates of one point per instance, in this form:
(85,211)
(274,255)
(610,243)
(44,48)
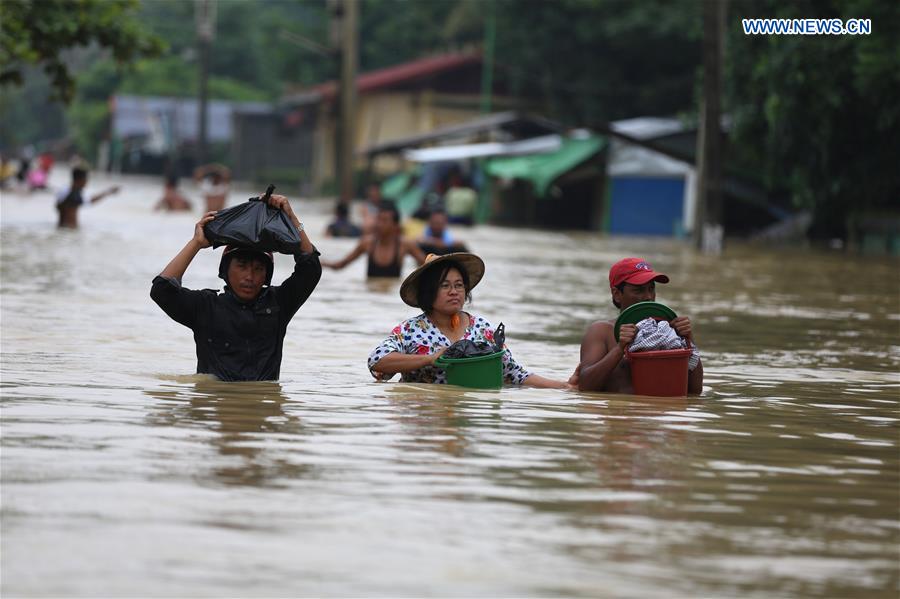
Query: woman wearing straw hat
(440,287)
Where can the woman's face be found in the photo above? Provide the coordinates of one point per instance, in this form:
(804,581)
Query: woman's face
(451,294)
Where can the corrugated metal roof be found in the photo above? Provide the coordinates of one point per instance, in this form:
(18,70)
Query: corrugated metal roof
(388,77)
(534,145)
(517,125)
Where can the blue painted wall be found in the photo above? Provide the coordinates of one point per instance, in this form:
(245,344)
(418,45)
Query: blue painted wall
(646,206)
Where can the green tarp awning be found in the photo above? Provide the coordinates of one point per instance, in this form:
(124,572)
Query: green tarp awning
(543,169)
(400,188)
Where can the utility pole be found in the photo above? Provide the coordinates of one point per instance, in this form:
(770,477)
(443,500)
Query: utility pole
(205,17)
(487,66)
(708,228)
(345,14)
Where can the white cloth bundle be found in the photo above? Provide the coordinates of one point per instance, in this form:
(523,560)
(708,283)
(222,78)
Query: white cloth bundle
(652,336)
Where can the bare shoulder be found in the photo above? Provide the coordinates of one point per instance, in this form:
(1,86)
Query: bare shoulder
(599,330)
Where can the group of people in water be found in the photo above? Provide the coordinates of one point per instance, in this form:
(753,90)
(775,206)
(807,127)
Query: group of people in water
(215,183)
(239,333)
(214,180)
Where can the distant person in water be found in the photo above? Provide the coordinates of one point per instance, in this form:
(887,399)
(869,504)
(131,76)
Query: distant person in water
(385,247)
(341,225)
(370,208)
(460,199)
(7,171)
(25,158)
(603,365)
(239,334)
(215,183)
(436,238)
(70,200)
(173,200)
(38,176)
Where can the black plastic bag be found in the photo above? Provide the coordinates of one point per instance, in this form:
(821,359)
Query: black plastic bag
(256,225)
(466,348)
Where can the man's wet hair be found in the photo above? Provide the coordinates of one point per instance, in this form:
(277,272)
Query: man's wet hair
(79,173)
(387,206)
(342,210)
(621,288)
(430,283)
(246,254)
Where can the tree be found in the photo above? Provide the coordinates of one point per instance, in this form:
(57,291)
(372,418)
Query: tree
(40,31)
(816,117)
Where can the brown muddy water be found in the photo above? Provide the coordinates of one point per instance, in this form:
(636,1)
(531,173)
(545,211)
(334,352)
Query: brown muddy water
(123,474)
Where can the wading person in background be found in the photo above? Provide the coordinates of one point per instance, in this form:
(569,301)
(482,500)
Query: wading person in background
(341,226)
(439,288)
(239,333)
(70,200)
(603,365)
(215,182)
(368,212)
(385,247)
(436,238)
(173,200)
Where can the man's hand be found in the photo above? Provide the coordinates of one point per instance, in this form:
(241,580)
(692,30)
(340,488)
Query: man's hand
(282,203)
(626,335)
(682,326)
(199,235)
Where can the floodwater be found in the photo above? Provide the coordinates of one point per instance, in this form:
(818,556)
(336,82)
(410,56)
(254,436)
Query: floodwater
(123,474)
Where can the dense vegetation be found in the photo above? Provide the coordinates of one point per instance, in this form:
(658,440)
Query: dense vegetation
(815,118)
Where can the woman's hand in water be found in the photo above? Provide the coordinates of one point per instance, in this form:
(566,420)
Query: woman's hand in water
(572,383)
(434,357)
(199,236)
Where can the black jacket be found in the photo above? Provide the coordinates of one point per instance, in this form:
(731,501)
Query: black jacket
(237,341)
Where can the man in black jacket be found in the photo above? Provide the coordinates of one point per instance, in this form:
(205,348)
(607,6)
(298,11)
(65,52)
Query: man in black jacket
(239,333)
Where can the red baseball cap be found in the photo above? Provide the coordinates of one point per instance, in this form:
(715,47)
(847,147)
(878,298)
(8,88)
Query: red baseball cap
(636,271)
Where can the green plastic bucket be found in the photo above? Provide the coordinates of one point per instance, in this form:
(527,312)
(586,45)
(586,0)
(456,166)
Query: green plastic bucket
(483,372)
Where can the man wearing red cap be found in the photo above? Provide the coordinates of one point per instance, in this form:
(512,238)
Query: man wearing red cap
(239,333)
(603,367)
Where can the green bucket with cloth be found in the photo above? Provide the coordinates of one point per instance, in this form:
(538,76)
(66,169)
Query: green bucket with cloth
(480,372)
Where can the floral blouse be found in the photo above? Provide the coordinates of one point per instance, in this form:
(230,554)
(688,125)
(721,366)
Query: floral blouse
(419,335)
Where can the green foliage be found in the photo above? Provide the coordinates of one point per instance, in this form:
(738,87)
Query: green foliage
(90,121)
(37,32)
(816,116)
(20,104)
(394,31)
(584,61)
(591,62)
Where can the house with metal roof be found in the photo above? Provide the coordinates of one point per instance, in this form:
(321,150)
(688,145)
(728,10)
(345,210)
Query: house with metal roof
(393,104)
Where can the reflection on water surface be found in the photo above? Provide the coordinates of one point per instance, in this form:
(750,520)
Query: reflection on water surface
(124,474)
